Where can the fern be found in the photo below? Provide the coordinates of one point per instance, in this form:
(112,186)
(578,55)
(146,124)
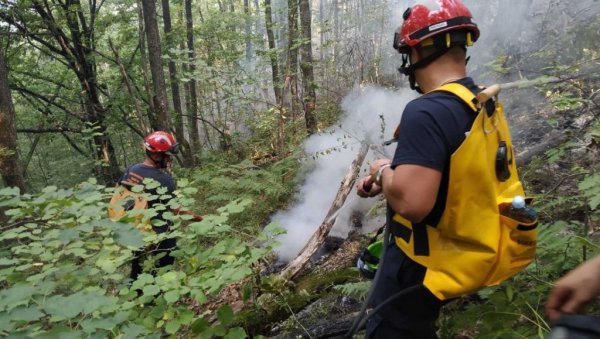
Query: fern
(590,188)
(357,290)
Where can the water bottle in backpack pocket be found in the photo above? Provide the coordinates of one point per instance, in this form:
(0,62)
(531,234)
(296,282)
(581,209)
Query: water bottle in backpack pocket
(518,222)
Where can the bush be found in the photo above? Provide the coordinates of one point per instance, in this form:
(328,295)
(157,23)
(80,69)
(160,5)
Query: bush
(64,267)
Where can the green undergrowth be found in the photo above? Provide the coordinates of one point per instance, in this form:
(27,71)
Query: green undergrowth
(269,187)
(64,267)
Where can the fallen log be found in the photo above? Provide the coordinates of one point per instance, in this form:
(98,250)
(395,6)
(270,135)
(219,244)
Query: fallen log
(326,329)
(554,139)
(297,265)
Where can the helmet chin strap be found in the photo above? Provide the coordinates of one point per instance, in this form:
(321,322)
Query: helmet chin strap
(410,69)
(162,163)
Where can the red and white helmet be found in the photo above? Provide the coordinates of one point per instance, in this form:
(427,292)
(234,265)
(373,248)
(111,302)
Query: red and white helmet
(161,142)
(423,21)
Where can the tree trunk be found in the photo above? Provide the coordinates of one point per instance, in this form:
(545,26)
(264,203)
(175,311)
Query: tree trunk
(272,53)
(276,75)
(306,65)
(191,85)
(336,29)
(292,64)
(247,30)
(188,160)
(156,68)
(10,167)
(144,64)
(321,29)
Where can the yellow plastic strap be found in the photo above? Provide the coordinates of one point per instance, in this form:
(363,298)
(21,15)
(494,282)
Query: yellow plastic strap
(460,91)
(448,40)
(469,39)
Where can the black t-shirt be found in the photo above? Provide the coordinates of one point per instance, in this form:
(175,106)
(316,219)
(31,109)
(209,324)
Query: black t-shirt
(135,175)
(432,127)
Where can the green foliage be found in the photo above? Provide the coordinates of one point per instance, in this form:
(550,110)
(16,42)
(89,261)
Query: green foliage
(500,65)
(357,290)
(64,267)
(564,102)
(590,188)
(268,187)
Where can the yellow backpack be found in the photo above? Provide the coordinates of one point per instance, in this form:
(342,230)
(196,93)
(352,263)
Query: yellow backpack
(125,200)
(473,245)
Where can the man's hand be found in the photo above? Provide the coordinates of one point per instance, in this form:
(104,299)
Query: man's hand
(366,188)
(573,291)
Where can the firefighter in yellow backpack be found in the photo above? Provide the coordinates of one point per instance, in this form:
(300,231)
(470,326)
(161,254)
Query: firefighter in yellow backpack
(450,177)
(160,148)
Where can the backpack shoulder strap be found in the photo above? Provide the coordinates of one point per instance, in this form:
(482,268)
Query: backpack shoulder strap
(460,91)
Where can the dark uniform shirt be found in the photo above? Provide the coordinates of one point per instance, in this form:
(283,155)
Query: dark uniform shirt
(135,175)
(432,127)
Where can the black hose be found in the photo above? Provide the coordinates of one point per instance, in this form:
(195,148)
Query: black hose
(358,322)
(389,300)
(355,325)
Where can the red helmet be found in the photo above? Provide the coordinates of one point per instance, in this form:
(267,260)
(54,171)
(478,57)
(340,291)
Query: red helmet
(161,142)
(422,22)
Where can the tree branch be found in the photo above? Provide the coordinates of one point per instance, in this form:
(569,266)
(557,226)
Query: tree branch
(25,91)
(74,145)
(58,129)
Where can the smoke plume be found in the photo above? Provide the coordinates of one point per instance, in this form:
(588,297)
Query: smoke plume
(370,115)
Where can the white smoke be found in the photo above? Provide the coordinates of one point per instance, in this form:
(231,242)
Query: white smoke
(370,114)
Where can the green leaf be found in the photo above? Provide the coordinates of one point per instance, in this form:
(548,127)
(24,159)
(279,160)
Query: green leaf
(107,323)
(236,333)
(509,292)
(199,296)
(172,326)
(94,300)
(246,292)
(10,191)
(236,206)
(171,296)
(107,264)
(186,317)
(594,202)
(158,311)
(151,290)
(15,296)
(142,280)
(137,188)
(60,306)
(5,324)
(219,330)
(132,331)
(26,314)
(129,237)
(225,315)
(62,332)
(200,325)
(8,262)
